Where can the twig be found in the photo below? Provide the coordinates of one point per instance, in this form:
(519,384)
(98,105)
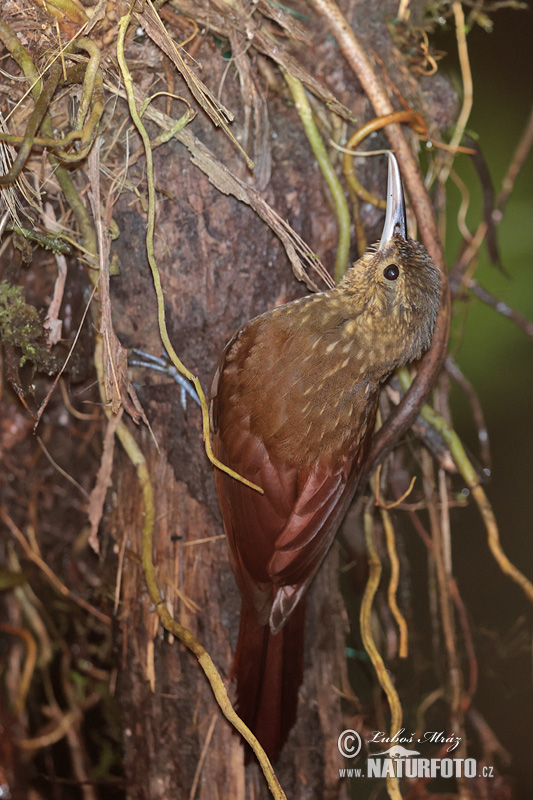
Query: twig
(442,568)
(120,565)
(92,94)
(463,208)
(228,183)
(374,577)
(469,474)
(403,647)
(499,306)
(356,138)
(403,12)
(78,755)
(443,573)
(29,664)
(61,470)
(400,500)
(207,539)
(52,577)
(67,359)
(488,206)
(468,389)
(461,612)
(38,114)
(203,754)
(65,723)
(519,156)
(70,407)
(154,28)
(426,704)
(466,75)
(317,145)
(52,323)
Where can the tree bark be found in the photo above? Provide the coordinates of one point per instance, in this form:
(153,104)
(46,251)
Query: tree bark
(220,266)
(226,267)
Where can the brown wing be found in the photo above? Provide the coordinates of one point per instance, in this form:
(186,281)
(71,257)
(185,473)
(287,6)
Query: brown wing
(279,539)
(266,416)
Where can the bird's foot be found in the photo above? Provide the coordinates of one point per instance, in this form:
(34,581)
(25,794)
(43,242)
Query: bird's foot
(162,364)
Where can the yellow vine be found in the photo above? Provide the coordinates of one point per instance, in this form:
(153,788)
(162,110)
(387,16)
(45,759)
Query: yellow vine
(180,366)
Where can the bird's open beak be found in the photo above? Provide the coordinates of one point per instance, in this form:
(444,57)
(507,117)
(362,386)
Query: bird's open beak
(395,220)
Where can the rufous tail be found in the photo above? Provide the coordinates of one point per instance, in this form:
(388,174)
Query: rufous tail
(269,670)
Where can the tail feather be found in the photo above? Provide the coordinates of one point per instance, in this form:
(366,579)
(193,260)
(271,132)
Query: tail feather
(269,670)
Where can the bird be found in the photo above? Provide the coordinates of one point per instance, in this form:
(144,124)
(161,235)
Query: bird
(293,404)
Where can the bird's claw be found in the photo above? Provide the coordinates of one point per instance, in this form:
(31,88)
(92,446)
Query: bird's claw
(162,364)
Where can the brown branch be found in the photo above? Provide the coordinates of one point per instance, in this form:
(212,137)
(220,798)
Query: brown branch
(468,253)
(356,138)
(29,665)
(461,613)
(443,573)
(477,411)
(519,156)
(499,306)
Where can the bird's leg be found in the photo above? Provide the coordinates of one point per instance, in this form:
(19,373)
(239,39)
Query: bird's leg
(162,364)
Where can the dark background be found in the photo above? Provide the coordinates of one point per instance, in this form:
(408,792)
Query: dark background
(497,358)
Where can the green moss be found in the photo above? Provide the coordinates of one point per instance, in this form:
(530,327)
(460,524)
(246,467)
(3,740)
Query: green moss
(21,327)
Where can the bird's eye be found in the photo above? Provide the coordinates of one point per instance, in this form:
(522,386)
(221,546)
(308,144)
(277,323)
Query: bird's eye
(391,272)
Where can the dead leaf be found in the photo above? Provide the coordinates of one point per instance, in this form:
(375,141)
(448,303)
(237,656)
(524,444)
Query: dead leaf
(103,480)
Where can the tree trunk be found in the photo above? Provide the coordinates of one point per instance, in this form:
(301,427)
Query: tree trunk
(220,266)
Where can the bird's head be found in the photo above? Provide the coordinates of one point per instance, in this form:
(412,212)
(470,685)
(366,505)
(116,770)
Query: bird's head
(395,285)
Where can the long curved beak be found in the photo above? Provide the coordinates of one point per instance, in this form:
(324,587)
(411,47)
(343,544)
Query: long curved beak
(395,219)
